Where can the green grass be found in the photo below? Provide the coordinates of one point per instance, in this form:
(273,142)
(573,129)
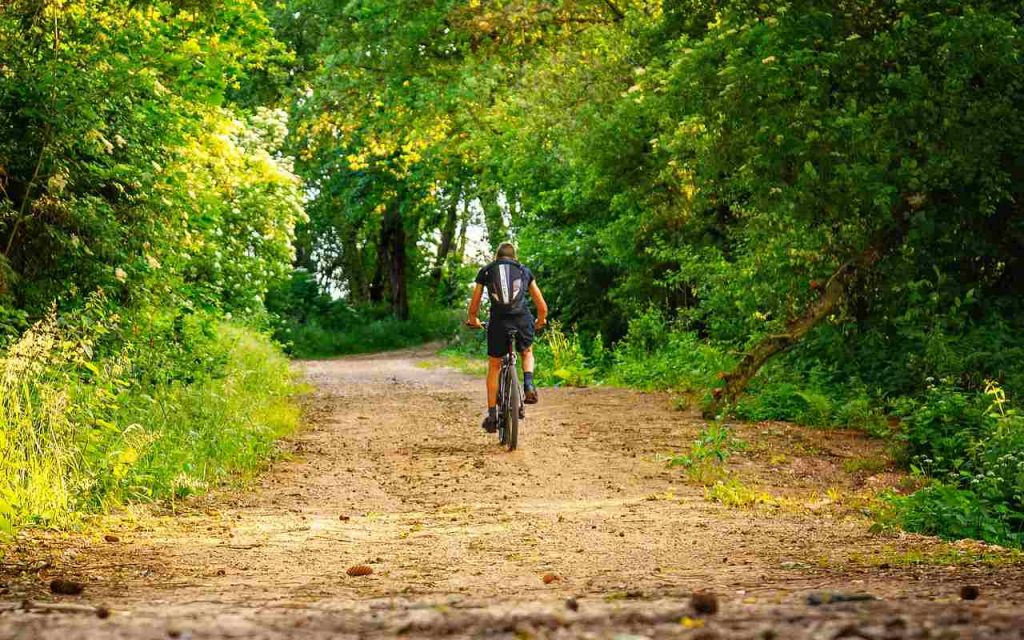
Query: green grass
(868,465)
(151,420)
(945,555)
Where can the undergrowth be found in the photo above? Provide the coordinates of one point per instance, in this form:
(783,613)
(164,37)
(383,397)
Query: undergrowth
(965,443)
(705,461)
(312,324)
(93,415)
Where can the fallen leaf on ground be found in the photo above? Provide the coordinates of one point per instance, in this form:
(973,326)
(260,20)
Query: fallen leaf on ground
(359,570)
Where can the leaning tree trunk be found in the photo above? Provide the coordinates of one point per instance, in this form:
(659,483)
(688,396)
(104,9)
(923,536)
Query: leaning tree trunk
(833,294)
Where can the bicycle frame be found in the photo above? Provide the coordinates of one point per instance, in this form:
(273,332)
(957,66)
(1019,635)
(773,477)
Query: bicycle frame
(508,364)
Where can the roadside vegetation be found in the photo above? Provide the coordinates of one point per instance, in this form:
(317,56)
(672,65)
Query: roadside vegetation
(146,206)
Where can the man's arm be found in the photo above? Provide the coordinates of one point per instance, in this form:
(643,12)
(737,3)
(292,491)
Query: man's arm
(474,307)
(542,307)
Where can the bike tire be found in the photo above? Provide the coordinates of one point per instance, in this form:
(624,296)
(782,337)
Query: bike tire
(515,400)
(503,385)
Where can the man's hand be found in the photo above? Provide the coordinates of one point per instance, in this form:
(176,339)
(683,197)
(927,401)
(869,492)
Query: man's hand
(540,324)
(474,323)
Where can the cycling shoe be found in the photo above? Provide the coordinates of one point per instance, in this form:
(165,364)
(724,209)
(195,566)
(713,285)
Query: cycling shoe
(490,424)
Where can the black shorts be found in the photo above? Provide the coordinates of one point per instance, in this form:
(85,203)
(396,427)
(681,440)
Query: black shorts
(497,333)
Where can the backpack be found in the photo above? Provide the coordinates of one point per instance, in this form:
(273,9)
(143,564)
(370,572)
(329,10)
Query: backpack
(506,280)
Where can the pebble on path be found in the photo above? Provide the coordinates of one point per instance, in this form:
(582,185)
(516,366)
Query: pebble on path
(65,587)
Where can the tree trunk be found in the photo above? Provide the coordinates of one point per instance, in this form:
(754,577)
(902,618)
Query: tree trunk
(460,249)
(355,271)
(832,295)
(377,285)
(393,251)
(447,237)
(494,218)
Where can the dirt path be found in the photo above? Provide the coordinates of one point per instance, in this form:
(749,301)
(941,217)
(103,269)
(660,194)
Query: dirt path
(395,473)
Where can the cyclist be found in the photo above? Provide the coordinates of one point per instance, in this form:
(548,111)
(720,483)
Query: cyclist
(507,281)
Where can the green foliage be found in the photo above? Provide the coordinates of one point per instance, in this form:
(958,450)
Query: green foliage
(952,513)
(973,445)
(161,416)
(708,453)
(145,199)
(655,354)
(311,324)
(561,361)
(125,166)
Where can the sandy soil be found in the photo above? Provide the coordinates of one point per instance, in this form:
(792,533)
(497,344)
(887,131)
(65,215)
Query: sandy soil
(583,532)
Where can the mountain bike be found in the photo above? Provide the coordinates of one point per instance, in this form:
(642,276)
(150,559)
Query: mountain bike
(511,408)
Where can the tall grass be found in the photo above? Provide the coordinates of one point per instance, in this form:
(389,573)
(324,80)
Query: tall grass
(81,433)
(39,468)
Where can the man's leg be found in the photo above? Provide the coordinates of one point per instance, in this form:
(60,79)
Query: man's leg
(493,369)
(530,389)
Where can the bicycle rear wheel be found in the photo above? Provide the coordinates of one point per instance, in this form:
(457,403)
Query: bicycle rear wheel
(515,401)
(503,391)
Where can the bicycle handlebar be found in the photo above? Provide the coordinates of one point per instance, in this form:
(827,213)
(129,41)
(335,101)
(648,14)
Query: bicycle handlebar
(484,324)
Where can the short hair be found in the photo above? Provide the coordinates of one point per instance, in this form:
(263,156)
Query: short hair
(506,250)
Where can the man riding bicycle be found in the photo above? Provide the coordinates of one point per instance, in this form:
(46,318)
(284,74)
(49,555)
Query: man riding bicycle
(506,281)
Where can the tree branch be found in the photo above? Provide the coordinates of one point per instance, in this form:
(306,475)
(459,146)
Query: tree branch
(619,15)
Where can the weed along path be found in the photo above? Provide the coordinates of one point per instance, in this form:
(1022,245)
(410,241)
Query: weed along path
(584,532)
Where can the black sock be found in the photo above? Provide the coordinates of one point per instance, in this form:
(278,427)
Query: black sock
(527,378)
(492,412)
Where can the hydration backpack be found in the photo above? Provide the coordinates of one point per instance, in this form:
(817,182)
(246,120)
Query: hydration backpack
(506,283)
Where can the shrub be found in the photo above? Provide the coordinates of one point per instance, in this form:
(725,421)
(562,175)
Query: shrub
(944,431)
(561,360)
(952,513)
(708,453)
(89,419)
(313,325)
(653,355)
(977,455)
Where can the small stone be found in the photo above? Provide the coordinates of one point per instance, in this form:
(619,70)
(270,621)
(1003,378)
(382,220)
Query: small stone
(572,604)
(548,578)
(704,603)
(969,592)
(221,572)
(344,518)
(64,587)
(102,612)
(111,538)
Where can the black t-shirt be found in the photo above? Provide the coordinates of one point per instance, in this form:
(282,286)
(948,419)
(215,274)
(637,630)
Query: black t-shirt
(484,278)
